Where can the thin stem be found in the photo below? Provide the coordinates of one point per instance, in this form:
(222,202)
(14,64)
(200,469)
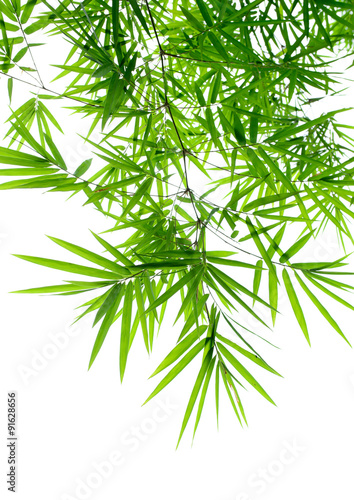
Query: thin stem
(168,107)
(28,45)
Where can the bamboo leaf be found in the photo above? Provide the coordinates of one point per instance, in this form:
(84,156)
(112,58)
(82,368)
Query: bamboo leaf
(111,299)
(260,246)
(91,256)
(105,326)
(171,291)
(320,307)
(295,247)
(204,392)
(180,349)
(177,369)
(204,12)
(253,357)
(70,268)
(242,371)
(195,392)
(295,304)
(125,331)
(139,14)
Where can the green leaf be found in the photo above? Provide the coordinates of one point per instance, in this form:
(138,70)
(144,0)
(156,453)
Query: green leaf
(279,175)
(111,299)
(295,304)
(324,209)
(273,295)
(254,127)
(296,247)
(114,94)
(266,200)
(257,278)
(59,159)
(191,318)
(135,6)
(253,357)
(141,311)
(215,88)
(173,289)
(195,392)
(68,267)
(83,168)
(105,326)
(177,369)
(71,287)
(180,349)
(235,285)
(91,256)
(228,383)
(204,12)
(10,85)
(125,331)
(113,251)
(218,45)
(192,292)
(204,392)
(27,11)
(239,131)
(242,371)
(320,307)
(260,246)
(192,20)
(145,186)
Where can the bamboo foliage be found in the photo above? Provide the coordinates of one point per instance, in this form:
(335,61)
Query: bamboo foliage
(220,91)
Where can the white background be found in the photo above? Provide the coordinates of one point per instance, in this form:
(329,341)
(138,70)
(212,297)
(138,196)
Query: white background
(71,421)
